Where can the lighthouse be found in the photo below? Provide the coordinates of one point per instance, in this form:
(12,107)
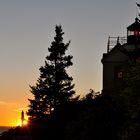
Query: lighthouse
(120,50)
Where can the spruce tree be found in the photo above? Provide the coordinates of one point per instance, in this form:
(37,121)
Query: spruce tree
(54,86)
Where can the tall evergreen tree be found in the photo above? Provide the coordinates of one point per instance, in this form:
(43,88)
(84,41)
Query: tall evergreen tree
(54,86)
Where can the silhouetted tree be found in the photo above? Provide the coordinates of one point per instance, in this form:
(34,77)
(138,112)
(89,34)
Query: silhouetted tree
(91,95)
(131,98)
(54,86)
(94,118)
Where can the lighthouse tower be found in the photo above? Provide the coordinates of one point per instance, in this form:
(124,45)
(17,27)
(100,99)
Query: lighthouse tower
(119,51)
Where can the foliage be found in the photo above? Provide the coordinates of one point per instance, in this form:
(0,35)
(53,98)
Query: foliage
(54,86)
(91,95)
(97,118)
(131,98)
(80,119)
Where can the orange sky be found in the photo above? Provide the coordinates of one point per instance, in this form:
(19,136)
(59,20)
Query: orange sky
(11,113)
(12,102)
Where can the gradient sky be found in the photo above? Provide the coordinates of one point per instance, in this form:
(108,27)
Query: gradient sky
(27,28)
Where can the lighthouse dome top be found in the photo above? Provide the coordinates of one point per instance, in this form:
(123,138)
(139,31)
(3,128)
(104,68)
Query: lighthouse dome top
(135,26)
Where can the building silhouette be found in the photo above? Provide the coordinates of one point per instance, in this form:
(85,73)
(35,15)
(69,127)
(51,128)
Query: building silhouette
(119,51)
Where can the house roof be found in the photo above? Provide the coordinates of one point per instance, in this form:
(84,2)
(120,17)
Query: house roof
(117,54)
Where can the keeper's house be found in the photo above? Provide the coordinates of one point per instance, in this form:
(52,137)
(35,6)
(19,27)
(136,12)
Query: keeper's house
(119,51)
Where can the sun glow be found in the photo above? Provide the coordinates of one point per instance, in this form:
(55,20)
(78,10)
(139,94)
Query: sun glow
(25,122)
(21,120)
(18,122)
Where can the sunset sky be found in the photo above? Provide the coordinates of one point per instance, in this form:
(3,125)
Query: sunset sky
(27,29)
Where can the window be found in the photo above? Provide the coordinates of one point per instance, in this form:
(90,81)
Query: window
(120,75)
(136,32)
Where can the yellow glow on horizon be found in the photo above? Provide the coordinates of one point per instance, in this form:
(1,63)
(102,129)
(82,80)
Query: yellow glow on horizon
(15,122)
(18,122)
(10,112)
(15,119)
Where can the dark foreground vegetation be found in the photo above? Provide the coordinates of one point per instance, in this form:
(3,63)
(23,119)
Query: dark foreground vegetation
(55,112)
(84,119)
(87,119)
